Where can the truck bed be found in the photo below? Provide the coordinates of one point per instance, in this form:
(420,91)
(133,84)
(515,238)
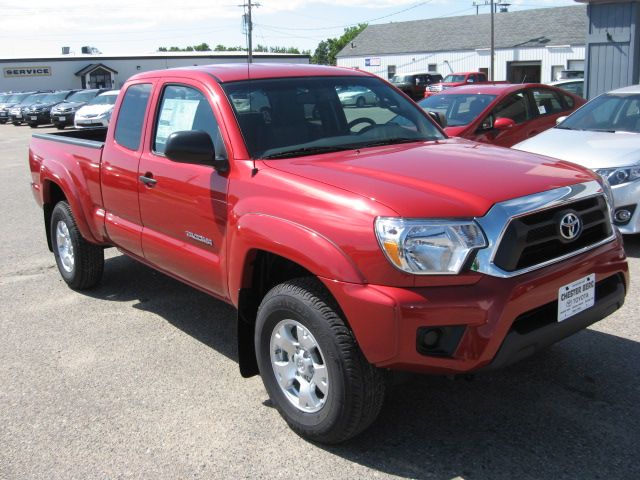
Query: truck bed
(90,137)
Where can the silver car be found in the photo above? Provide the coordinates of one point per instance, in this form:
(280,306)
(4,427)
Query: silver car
(603,135)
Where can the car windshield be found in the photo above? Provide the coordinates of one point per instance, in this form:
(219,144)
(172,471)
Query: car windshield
(289,117)
(104,99)
(55,97)
(82,96)
(4,98)
(401,79)
(18,97)
(607,113)
(34,98)
(453,78)
(458,109)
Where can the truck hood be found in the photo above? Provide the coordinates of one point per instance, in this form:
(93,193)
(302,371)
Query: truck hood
(449,178)
(589,149)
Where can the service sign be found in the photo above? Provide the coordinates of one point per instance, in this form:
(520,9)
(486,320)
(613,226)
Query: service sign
(372,62)
(38,71)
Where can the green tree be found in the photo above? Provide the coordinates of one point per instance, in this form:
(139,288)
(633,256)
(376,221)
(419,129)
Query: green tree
(327,50)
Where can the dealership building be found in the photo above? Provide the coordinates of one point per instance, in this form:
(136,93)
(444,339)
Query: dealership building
(530,45)
(107,71)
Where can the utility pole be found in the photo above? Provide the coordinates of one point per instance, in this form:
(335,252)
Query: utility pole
(491,76)
(249,27)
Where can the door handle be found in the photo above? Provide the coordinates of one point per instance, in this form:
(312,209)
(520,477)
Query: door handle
(148,179)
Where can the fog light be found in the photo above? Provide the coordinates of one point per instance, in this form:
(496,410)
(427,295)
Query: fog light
(431,337)
(440,341)
(622,215)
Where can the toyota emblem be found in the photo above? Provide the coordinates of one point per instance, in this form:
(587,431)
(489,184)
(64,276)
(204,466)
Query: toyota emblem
(570,226)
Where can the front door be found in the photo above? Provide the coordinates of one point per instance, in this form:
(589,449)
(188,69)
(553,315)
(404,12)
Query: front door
(184,206)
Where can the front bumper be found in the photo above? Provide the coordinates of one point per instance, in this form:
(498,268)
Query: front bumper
(627,196)
(37,118)
(91,122)
(62,118)
(386,320)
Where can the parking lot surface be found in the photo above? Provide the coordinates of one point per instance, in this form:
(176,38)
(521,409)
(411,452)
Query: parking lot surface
(138,378)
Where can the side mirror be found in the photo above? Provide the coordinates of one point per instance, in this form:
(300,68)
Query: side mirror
(193,146)
(559,120)
(439,118)
(503,123)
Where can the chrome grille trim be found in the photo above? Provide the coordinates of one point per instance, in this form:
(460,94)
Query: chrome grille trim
(496,221)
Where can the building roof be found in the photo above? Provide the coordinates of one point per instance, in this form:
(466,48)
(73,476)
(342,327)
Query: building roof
(526,28)
(94,66)
(153,55)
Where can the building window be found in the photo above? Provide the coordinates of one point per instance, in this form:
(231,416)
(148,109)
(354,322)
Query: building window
(391,72)
(555,72)
(433,67)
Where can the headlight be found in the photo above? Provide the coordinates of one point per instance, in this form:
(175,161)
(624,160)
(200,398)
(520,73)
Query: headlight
(428,247)
(618,176)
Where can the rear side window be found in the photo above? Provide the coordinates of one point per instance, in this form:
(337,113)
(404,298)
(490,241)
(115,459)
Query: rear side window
(185,108)
(131,116)
(515,107)
(547,101)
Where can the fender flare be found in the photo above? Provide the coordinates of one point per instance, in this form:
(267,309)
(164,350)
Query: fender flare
(70,188)
(293,241)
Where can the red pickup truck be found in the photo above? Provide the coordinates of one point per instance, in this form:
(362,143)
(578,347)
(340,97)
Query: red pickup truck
(350,240)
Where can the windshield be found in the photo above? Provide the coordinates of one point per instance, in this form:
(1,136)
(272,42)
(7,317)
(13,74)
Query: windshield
(82,96)
(17,98)
(454,79)
(401,79)
(303,116)
(4,98)
(608,113)
(104,99)
(55,97)
(458,109)
(34,98)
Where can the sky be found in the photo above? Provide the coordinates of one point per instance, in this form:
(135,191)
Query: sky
(41,27)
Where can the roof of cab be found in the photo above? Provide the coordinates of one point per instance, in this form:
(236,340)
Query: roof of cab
(232,72)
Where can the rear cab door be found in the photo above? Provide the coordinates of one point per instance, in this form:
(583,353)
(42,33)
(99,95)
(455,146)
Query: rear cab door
(119,170)
(183,206)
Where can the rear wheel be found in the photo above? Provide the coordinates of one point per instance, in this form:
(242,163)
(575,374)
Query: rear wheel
(80,263)
(311,366)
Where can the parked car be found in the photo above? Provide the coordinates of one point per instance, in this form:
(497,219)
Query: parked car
(350,243)
(9,103)
(40,112)
(357,96)
(97,112)
(567,74)
(575,86)
(603,135)
(501,114)
(64,113)
(17,112)
(456,80)
(415,84)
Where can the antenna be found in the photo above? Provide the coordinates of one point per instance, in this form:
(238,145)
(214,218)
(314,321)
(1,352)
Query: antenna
(248,27)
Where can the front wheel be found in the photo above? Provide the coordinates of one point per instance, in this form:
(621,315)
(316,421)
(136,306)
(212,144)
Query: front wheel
(311,366)
(80,263)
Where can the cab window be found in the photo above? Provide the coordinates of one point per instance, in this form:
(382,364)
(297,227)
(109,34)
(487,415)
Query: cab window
(131,116)
(185,108)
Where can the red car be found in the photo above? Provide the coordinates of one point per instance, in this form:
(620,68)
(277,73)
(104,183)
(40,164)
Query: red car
(502,114)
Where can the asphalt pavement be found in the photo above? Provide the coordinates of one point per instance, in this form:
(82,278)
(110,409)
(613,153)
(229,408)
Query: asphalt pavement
(138,378)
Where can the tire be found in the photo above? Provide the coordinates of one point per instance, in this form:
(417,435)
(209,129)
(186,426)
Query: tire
(60,126)
(2,122)
(33,125)
(360,102)
(345,392)
(80,263)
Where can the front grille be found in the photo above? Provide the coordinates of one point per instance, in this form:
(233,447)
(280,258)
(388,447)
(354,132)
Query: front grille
(535,238)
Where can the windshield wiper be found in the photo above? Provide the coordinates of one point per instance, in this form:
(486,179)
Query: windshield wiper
(299,152)
(390,141)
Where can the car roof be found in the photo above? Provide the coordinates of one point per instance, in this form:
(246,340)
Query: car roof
(629,89)
(565,81)
(491,88)
(232,72)
(110,92)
